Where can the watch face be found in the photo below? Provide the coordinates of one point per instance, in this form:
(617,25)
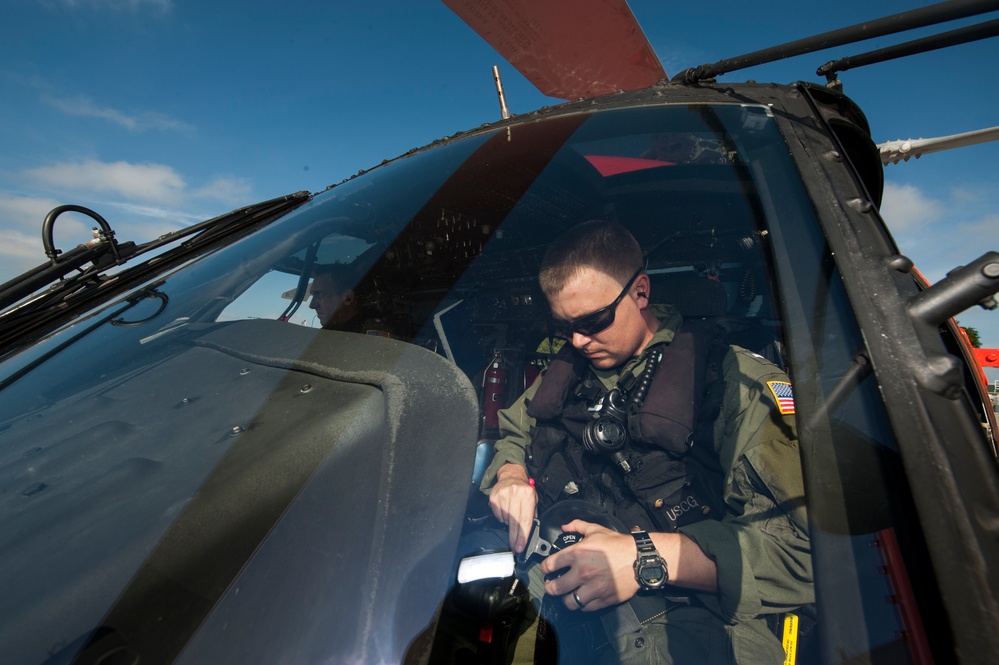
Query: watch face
(651,573)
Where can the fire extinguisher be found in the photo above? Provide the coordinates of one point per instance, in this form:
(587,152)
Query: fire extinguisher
(493,393)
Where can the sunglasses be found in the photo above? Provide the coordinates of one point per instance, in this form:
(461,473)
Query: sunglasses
(594,322)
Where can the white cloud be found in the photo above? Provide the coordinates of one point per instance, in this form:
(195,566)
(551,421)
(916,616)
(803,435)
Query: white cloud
(23,249)
(22,216)
(19,253)
(140,202)
(150,183)
(24,211)
(969,194)
(21,241)
(162,6)
(984,228)
(941,235)
(82,106)
(227,189)
(170,215)
(905,208)
(152,191)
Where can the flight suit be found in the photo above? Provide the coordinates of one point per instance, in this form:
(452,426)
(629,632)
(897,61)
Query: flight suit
(761,543)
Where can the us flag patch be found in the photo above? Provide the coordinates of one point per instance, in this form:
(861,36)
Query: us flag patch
(784,395)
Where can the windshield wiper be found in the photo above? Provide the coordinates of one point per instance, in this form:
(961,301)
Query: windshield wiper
(21,312)
(214,228)
(102,252)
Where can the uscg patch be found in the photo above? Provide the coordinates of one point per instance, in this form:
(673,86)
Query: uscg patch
(784,395)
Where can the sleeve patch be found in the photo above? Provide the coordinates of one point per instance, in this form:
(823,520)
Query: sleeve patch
(781,390)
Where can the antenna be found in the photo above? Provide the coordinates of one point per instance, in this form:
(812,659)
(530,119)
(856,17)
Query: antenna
(504,111)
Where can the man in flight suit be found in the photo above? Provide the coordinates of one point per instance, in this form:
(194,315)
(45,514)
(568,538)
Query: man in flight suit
(711,481)
(338,306)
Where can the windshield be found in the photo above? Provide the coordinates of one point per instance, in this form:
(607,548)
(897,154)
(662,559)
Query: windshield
(271,453)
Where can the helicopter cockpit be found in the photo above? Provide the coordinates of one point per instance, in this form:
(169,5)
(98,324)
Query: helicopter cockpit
(445,244)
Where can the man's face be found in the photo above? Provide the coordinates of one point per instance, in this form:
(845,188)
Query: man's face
(325,298)
(587,292)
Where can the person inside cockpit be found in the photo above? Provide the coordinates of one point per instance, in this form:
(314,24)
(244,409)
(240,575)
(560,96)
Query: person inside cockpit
(338,306)
(707,475)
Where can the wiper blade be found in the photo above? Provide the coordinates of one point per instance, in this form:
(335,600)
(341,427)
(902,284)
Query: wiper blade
(20,316)
(103,252)
(211,229)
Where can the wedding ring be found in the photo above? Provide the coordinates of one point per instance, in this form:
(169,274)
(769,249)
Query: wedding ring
(575,597)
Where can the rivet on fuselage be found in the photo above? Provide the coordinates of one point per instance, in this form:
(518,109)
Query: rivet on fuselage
(860,205)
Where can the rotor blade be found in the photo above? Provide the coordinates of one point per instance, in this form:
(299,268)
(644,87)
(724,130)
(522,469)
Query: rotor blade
(892,152)
(567,48)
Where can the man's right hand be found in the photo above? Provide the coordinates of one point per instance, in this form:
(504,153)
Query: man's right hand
(513,502)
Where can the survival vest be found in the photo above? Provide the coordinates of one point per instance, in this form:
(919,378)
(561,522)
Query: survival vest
(673,477)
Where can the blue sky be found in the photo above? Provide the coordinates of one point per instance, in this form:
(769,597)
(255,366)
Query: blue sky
(160,113)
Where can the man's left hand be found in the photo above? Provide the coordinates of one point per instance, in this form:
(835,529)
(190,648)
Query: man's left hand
(601,568)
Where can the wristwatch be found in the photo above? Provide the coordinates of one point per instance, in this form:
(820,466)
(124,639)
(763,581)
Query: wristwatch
(650,568)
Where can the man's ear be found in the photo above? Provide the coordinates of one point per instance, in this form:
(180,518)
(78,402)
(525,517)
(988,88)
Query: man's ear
(348,297)
(643,283)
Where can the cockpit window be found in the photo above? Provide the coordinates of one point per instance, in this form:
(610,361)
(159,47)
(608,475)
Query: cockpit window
(294,286)
(441,250)
(439,227)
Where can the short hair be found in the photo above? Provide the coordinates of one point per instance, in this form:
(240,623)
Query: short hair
(600,244)
(343,275)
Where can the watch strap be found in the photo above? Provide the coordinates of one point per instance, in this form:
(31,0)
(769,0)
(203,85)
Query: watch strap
(644,542)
